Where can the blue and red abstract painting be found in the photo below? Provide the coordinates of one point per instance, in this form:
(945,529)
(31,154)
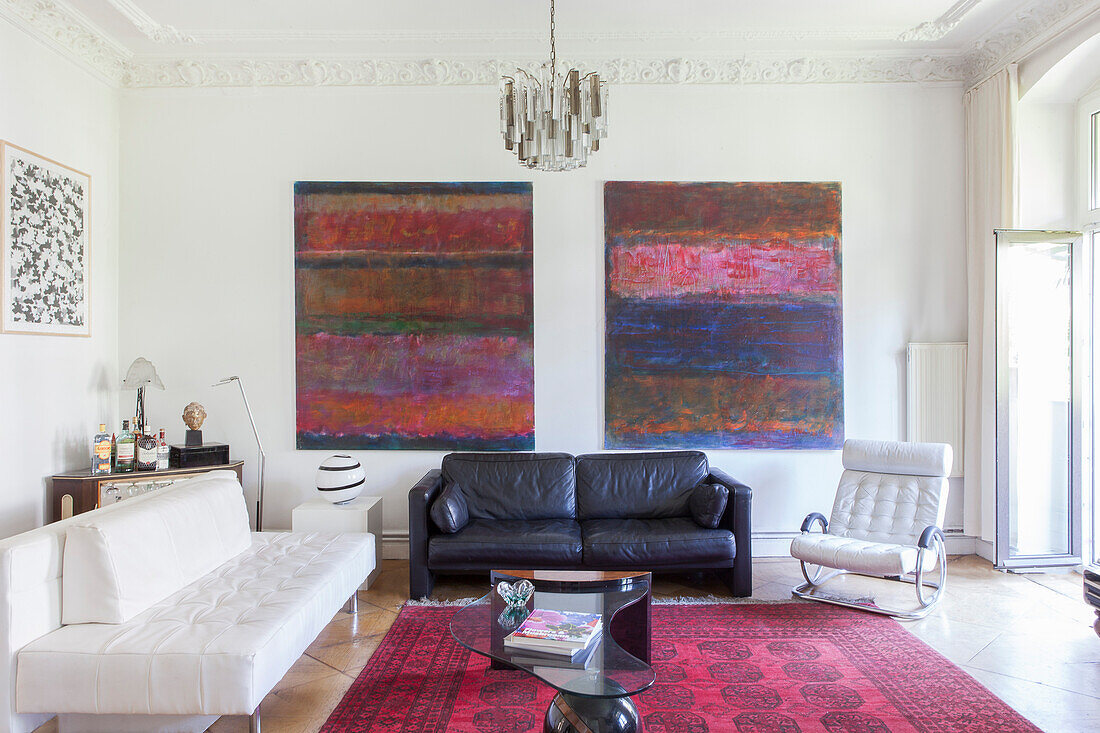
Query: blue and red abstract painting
(723,315)
(414,316)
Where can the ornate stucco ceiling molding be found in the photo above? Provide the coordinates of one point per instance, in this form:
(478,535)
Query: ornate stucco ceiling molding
(316,72)
(466,38)
(71,34)
(76,37)
(1029,28)
(150,28)
(936,29)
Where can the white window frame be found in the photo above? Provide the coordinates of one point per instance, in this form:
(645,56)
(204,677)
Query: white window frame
(1088,125)
(1088,197)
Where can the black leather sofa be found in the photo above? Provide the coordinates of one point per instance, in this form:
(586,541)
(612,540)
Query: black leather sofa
(607,511)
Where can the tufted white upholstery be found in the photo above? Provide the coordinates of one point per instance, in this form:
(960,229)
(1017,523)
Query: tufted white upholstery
(30,597)
(874,502)
(119,564)
(875,558)
(888,494)
(884,507)
(885,456)
(216,646)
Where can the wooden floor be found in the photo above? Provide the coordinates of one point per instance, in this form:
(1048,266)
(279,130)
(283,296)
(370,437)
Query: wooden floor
(1028,638)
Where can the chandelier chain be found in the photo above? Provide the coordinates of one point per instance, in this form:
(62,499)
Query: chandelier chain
(553,49)
(551,122)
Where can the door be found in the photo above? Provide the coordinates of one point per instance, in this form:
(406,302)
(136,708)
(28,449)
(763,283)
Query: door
(1043,309)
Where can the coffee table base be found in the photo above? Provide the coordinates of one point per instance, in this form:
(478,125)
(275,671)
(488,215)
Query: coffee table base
(575,714)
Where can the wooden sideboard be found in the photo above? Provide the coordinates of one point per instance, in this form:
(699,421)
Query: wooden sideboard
(80,491)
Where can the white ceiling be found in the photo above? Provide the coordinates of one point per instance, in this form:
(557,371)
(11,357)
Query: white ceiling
(585,27)
(198,43)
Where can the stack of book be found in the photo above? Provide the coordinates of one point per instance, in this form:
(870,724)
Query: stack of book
(555,638)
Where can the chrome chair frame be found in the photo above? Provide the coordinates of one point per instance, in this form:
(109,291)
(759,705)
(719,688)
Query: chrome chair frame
(931,540)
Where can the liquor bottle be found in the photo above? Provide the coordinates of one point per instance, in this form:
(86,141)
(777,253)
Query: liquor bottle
(146,452)
(114,451)
(124,449)
(101,451)
(162,452)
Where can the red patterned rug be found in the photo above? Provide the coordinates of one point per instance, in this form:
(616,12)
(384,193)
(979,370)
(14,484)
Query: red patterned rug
(764,668)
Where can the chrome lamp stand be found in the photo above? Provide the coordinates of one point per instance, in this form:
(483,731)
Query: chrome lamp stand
(259,445)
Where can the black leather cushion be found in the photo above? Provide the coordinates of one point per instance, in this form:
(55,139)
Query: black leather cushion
(514,485)
(632,543)
(638,485)
(501,543)
(449,511)
(707,504)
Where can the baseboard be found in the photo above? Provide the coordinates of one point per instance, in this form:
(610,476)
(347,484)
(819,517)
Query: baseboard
(778,544)
(772,544)
(395,545)
(985,549)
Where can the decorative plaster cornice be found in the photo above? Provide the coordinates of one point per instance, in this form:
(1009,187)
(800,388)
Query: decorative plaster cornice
(1035,23)
(75,36)
(936,29)
(439,38)
(150,28)
(206,72)
(70,33)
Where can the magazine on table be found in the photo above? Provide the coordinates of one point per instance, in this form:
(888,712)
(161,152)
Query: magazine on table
(565,633)
(532,658)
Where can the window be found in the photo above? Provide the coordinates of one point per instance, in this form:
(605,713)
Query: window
(1094,162)
(1039,292)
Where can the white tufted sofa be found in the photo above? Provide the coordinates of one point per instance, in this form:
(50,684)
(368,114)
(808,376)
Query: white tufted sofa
(163,612)
(886,517)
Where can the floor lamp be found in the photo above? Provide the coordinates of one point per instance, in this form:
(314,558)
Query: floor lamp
(259,445)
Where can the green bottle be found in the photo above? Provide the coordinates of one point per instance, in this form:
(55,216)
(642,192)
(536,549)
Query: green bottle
(124,449)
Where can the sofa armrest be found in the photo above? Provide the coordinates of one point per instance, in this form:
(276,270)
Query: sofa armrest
(421,529)
(737,519)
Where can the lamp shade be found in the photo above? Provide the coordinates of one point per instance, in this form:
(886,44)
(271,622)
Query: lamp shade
(142,373)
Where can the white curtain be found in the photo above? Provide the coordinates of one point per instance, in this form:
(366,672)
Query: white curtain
(990,204)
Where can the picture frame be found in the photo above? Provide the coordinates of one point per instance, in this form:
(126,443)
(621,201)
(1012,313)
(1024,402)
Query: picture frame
(45,263)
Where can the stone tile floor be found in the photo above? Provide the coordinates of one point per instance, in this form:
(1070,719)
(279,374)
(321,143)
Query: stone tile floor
(1028,638)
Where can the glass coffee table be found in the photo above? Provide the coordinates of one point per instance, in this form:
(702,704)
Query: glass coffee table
(595,698)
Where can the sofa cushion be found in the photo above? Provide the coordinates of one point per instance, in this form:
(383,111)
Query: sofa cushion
(514,485)
(502,543)
(630,543)
(217,646)
(708,504)
(638,485)
(861,556)
(120,563)
(449,511)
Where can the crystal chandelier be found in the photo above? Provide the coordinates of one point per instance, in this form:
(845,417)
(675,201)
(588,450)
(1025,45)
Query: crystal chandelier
(553,121)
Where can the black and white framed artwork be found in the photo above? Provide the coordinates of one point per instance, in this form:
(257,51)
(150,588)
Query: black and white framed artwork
(44,254)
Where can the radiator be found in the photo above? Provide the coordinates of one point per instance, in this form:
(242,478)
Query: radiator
(936,382)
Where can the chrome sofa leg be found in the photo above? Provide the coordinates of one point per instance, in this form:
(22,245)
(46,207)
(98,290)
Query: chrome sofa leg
(352,606)
(254,722)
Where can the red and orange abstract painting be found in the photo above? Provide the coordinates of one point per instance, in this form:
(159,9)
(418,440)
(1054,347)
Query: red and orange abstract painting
(723,315)
(414,316)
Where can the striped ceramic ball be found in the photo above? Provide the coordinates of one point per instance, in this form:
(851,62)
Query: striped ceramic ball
(340,479)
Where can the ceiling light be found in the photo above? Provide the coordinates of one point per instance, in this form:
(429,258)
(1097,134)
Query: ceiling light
(553,121)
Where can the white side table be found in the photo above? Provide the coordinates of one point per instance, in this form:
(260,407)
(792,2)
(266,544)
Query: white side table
(363,514)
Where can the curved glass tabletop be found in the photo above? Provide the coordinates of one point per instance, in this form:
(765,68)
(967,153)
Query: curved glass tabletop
(609,671)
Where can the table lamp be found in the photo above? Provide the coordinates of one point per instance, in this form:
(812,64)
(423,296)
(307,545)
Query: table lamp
(259,445)
(140,375)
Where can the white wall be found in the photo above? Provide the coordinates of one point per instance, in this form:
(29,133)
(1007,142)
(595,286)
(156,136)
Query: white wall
(207,244)
(1048,165)
(55,390)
